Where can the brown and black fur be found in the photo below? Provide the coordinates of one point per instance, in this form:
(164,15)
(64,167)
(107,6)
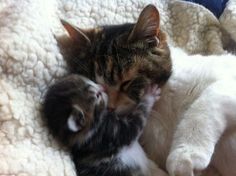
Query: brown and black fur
(101,134)
(58,106)
(126,56)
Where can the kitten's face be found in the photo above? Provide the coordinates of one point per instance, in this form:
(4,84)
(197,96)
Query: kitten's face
(72,107)
(89,102)
(126,58)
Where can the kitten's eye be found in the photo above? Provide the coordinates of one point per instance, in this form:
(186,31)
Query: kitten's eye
(124,85)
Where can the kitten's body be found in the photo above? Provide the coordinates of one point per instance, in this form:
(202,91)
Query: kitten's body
(196,116)
(102,142)
(113,149)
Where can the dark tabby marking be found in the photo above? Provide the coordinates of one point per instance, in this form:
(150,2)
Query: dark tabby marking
(125,57)
(103,143)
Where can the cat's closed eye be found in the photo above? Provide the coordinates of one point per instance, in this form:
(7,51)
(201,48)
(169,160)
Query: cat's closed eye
(125,85)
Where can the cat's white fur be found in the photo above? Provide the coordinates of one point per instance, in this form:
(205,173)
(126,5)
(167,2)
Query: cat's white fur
(193,125)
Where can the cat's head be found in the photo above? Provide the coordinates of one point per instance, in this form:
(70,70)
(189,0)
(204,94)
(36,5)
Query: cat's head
(72,108)
(124,58)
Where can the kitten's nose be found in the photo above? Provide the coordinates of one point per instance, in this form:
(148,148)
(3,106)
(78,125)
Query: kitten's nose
(103,88)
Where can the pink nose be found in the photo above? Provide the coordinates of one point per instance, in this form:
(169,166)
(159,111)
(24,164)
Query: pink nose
(103,88)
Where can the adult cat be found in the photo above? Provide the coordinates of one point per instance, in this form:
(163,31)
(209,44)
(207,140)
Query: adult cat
(194,126)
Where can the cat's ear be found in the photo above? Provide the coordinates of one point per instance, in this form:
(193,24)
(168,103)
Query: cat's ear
(76,120)
(148,25)
(77,35)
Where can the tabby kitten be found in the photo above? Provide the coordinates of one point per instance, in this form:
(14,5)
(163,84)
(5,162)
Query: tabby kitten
(102,142)
(125,57)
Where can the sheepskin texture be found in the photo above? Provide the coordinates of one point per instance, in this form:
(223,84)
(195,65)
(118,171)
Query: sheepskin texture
(31,60)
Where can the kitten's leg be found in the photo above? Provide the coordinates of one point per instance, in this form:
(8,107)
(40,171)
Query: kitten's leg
(200,129)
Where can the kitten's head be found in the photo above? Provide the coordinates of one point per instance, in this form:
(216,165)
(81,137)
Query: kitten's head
(126,58)
(72,106)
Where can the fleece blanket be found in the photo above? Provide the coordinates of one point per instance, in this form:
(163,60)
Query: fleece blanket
(31,60)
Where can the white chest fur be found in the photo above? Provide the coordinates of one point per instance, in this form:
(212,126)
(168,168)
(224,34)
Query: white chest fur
(133,156)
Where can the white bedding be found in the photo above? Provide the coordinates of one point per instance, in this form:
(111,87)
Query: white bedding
(30,60)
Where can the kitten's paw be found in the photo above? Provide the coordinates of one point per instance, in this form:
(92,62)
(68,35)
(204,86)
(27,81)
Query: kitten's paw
(152,93)
(183,162)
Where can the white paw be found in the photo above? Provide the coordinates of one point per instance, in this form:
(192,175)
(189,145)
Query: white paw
(152,94)
(179,165)
(183,162)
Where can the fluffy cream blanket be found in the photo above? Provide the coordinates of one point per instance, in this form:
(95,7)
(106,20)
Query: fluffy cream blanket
(30,60)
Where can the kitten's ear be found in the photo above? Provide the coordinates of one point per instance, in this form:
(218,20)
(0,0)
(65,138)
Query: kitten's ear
(76,120)
(148,25)
(76,34)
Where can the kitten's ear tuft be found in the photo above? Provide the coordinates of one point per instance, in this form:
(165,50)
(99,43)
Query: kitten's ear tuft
(148,25)
(76,34)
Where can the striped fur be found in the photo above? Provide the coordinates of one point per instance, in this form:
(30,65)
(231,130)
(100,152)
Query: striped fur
(123,58)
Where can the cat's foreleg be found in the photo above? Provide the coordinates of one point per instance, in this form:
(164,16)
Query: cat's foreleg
(197,134)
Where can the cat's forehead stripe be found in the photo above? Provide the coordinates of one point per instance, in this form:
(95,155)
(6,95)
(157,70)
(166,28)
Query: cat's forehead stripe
(113,30)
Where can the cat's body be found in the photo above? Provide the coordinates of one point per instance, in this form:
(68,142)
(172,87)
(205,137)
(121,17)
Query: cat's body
(194,123)
(191,126)
(102,142)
